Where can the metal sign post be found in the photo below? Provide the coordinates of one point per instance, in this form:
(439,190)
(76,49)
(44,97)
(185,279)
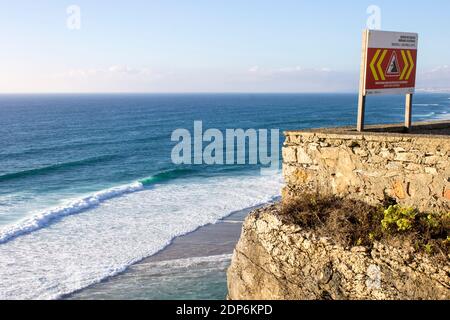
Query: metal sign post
(388,66)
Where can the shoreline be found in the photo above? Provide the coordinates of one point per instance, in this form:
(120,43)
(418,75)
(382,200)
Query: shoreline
(212,243)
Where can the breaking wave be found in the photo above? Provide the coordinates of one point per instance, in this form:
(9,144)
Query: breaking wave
(45,218)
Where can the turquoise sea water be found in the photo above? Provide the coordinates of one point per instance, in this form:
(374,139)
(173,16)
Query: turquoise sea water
(73,208)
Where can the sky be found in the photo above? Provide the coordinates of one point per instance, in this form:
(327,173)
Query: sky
(207,45)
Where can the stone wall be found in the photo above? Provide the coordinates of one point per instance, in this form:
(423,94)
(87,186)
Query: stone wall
(276,259)
(414,169)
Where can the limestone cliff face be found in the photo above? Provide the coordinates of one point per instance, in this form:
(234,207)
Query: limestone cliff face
(275,259)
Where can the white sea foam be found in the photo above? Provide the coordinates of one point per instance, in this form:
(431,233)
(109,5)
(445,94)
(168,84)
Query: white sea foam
(82,249)
(174,266)
(42,219)
(443,116)
(426,115)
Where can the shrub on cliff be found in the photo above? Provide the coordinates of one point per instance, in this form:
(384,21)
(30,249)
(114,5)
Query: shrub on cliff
(355,223)
(399,218)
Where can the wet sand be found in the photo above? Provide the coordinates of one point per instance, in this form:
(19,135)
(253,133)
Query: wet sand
(193,266)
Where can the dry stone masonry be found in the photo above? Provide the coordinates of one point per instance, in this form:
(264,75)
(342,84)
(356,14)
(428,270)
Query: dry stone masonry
(412,169)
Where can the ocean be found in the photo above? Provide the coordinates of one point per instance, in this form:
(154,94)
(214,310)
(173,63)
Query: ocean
(88,188)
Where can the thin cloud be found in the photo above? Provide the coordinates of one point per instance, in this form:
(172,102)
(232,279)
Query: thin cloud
(129,70)
(109,71)
(258,79)
(434,80)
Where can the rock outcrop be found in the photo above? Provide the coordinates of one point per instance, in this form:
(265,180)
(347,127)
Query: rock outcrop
(276,259)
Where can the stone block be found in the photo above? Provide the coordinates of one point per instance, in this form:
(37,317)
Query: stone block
(330,153)
(289,154)
(447,194)
(303,157)
(399,189)
(431,170)
(405,157)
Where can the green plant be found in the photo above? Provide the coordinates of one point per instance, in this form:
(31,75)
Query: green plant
(400,218)
(431,221)
(428,248)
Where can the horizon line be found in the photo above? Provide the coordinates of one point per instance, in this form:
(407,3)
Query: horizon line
(198,93)
(193,92)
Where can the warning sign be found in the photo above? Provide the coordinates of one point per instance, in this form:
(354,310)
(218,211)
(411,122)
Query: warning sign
(390,60)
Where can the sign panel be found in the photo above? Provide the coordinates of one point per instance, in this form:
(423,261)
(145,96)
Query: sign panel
(390,60)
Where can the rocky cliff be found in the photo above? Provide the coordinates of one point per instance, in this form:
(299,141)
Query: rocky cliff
(276,259)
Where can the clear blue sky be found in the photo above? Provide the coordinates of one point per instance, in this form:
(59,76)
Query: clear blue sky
(207,45)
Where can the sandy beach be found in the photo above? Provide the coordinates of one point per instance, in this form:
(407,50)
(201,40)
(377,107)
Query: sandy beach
(193,266)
